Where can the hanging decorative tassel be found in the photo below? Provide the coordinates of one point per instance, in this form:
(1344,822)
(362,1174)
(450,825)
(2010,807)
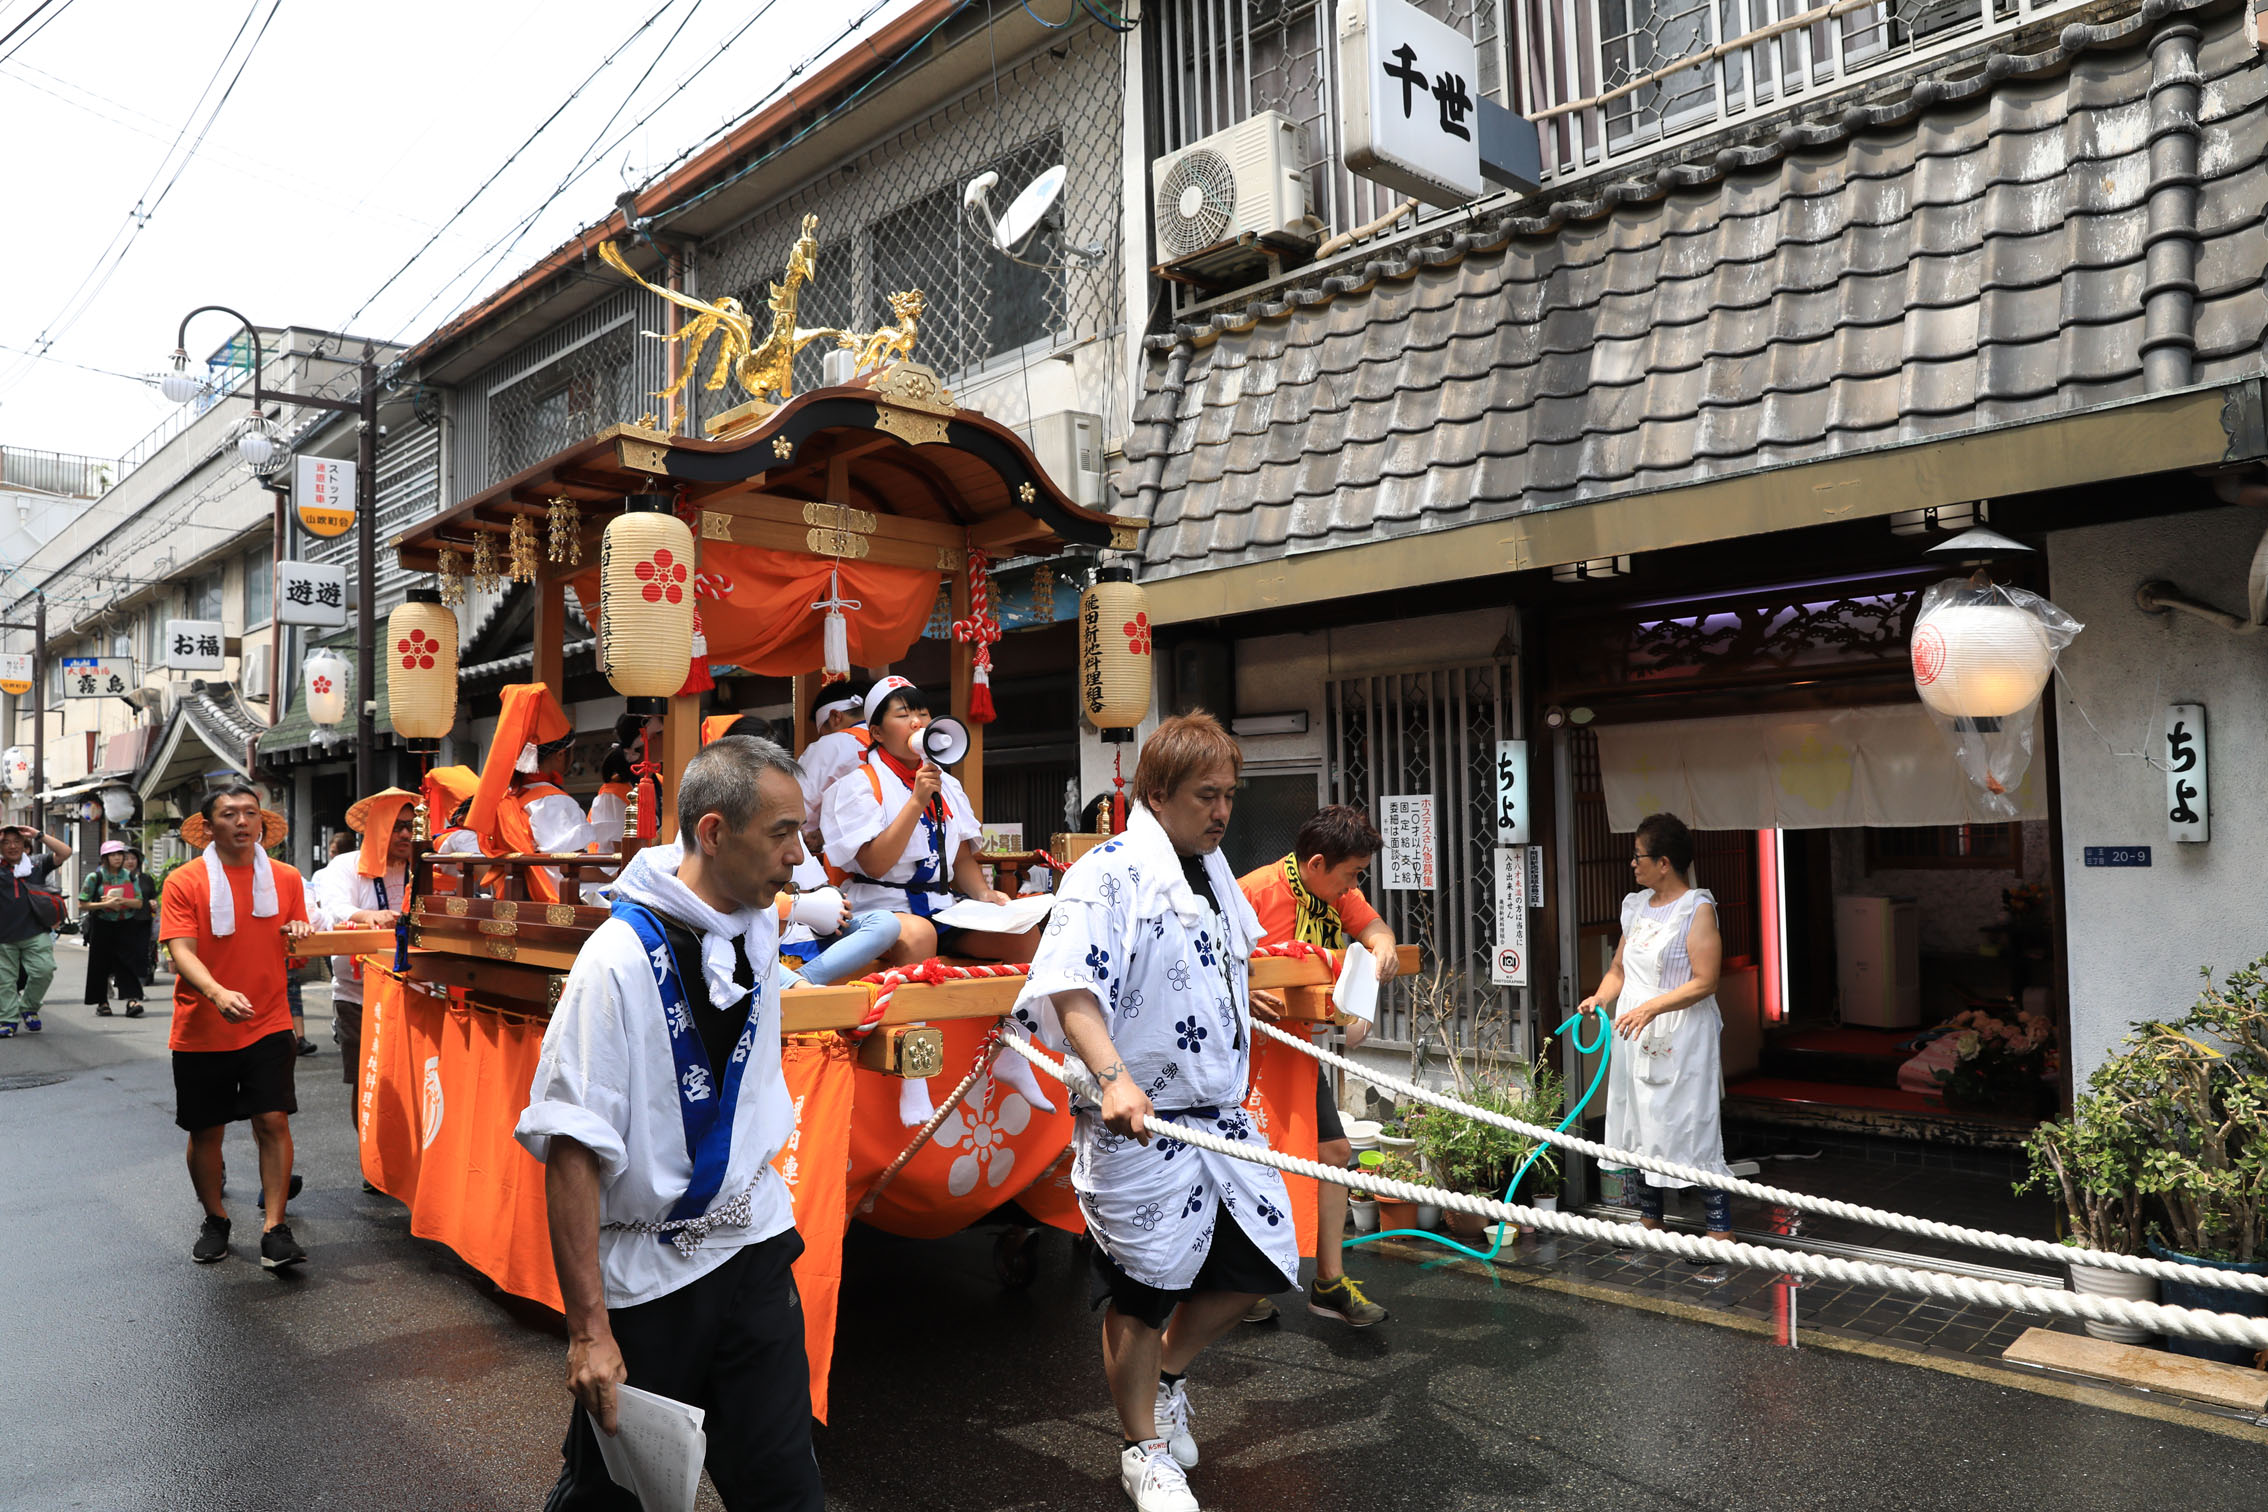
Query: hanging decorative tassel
(981,629)
(834,640)
(1118,791)
(940,623)
(485,578)
(566,531)
(644,807)
(448,568)
(697,678)
(522,550)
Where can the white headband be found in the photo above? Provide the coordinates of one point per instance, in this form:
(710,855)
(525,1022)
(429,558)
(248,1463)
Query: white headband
(880,693)
(821,714)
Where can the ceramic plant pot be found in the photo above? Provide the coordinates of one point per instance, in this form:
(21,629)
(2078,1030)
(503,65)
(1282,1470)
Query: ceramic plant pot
(1365,1214)
(2095,1281)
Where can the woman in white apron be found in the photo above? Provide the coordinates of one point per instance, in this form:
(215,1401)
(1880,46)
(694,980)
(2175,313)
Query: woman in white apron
(1664,1077)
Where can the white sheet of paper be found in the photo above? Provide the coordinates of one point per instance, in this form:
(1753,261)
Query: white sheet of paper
(1001,918)
(657,1449)
(1355,993)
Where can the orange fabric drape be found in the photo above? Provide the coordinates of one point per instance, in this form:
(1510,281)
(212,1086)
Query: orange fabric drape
(1282,1104)
(815,1166)
(518,835)
(756,607)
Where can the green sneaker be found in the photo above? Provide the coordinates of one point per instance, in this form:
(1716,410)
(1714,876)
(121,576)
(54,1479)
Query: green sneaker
(1343,1299)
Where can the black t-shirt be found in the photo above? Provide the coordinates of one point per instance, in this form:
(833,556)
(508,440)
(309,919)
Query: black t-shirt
(719,1028)
(17,923)
(1193,868)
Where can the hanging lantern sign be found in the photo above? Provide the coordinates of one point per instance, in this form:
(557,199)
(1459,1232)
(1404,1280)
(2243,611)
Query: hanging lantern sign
(1982,655)
(15,769)
(117,804)
(421,667)
(329,678)
(323,493)
(1114,653)
(646,600)
(16,673)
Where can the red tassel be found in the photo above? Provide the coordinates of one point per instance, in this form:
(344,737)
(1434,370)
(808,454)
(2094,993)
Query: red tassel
(980,698)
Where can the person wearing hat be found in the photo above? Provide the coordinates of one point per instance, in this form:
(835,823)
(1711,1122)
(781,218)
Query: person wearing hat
(519,808)
(114,915)
(448,799)
(839,737)
(226,916)
(363,889)
(29,912)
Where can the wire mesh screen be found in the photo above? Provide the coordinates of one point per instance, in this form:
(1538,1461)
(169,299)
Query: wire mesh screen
(1436,732)
(893,219)
(1270,808)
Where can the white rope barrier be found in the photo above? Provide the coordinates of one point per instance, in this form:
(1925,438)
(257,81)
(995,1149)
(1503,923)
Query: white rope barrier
(2008,1244)
(2220,1328)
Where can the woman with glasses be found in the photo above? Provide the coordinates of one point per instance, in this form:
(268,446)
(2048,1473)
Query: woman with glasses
(1664,1074)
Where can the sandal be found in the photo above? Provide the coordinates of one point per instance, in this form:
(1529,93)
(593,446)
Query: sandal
(102,1010)
(133,1010)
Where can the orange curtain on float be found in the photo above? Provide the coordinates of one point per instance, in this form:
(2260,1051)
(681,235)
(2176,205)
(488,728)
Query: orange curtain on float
(815,1166)
(1282,1105)
(756,614)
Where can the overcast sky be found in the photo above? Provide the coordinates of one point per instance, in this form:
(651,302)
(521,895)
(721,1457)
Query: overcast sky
(353,135)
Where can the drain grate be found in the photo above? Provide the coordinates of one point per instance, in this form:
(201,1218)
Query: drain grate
(18,1083)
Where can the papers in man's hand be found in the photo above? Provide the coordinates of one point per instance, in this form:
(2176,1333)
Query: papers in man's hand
(1000,918)
(1355,994)
(657,1449)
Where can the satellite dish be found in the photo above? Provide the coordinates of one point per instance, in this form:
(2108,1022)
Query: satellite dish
(1028,208)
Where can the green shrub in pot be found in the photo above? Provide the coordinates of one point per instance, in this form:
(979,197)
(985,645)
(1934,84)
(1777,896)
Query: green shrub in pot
(2196,1093)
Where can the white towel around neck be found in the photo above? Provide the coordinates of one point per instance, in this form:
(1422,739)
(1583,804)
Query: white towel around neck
(264,905)
(651,879)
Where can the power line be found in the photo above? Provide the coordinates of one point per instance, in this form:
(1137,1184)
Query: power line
(27,21)
(141,378)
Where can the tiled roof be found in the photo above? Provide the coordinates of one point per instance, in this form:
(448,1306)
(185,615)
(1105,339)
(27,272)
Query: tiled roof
(1973,254)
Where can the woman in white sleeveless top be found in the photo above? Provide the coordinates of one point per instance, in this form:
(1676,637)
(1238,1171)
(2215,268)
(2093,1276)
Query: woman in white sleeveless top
(1664,1077)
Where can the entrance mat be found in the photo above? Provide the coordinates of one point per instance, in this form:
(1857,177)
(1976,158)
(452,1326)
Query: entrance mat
(2149,1369)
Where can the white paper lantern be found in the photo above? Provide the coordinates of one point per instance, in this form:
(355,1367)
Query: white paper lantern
(329,679)
(646,561)
(421,670)
(15,769)
(117,804)
(1114,651)
(1980,661)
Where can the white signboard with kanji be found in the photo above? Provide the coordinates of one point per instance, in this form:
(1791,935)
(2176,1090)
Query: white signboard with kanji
(1511,792)
(2188,819)
(1508,962)
(310,595)
(1406,825)
(15,673)
(323,488)
(98,676)
(1407,111)
(195,645)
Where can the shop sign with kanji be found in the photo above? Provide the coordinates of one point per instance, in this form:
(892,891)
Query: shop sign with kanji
(1408,111)
(195,645)
(98,676)
(307,594)
(15,673)
(1406,824)
(323,492)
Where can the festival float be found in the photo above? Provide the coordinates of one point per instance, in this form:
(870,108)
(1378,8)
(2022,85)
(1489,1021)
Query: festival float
(809,533)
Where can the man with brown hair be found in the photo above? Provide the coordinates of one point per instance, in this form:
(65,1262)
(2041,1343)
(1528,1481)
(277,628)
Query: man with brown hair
(1144,973)
(1311,895)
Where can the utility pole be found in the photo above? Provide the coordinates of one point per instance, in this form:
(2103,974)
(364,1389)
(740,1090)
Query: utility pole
(38,628)
(366,578)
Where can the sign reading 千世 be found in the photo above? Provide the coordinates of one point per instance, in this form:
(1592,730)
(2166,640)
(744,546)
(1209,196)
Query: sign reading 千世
(1409,114)
(1406,825)
(16,673)
(97,676)
(310,595)
(2187,818)
(1508,962)
(323,492)
(195,645)
(1511,792)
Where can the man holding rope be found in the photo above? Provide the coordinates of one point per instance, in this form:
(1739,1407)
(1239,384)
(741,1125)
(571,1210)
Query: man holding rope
(1144,973)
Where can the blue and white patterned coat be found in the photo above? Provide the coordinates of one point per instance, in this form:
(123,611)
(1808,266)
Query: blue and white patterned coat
(1171,975)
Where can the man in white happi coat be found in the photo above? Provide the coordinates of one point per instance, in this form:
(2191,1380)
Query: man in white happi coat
(1143,973)
(363,889)
(657,1108)
(838,739)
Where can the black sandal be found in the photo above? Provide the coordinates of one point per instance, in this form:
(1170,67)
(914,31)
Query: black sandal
(102,1010)
(133,1010)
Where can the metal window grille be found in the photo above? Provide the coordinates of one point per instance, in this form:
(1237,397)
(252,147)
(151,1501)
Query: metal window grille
(1436,732)
(892,219)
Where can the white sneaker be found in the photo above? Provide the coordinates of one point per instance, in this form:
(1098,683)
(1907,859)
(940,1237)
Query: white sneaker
(1153,1480)
(1173,1420)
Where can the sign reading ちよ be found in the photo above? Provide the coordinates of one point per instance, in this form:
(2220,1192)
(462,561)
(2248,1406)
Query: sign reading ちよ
(1408,109)
(2188,818)
(1406,825)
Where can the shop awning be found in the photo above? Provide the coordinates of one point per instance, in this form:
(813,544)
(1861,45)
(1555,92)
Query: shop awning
(210,734)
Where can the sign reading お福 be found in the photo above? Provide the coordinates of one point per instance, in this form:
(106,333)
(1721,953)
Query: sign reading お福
(323,493)
(1408,104)
(195,645)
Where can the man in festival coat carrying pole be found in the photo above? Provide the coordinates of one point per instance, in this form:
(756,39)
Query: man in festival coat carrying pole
(1144,974)
(657,1108)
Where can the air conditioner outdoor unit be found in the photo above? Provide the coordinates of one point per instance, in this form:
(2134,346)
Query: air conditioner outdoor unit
(1069,446)
(1244,179)
(254,679)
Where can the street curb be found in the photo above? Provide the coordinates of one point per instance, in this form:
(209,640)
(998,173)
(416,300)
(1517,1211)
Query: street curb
(2037,1382)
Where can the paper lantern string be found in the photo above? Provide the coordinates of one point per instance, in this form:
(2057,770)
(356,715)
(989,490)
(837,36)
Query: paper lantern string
(835,641)
(645,811)
(1118,793)
(980,629)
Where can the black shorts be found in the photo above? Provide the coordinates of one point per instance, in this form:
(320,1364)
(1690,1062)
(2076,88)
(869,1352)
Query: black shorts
(215,1087)
(1233,1264)
(952,940)
(1327,1125)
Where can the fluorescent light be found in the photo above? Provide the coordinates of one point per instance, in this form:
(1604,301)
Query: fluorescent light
(1294,723)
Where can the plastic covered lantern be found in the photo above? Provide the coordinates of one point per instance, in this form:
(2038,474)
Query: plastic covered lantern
(15,769)
(421,667)
(328,677)
(117,804)
(646,601)
(1114,653)
(1982,655)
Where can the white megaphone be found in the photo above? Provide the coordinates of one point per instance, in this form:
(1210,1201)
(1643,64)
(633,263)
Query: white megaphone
(945,741)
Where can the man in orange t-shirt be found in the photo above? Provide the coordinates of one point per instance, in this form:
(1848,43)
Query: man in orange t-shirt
(1311,895)
(225,917)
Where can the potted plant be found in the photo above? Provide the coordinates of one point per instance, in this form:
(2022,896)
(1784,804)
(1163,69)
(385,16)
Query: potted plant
(2001,1064)
(1395,1212)
(1394,1134)
(2093,1165)
(1466,1155)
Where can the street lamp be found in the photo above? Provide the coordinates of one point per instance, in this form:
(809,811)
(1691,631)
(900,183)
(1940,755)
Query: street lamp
(260,446)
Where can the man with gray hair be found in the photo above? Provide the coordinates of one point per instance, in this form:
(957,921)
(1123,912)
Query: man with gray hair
(657,1108)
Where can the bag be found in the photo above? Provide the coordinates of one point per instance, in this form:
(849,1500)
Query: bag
(46,906)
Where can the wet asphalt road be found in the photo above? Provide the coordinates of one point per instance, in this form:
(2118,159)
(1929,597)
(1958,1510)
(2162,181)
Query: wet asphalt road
(385,1375)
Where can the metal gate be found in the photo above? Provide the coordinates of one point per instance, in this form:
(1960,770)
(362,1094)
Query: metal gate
(1435,732)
